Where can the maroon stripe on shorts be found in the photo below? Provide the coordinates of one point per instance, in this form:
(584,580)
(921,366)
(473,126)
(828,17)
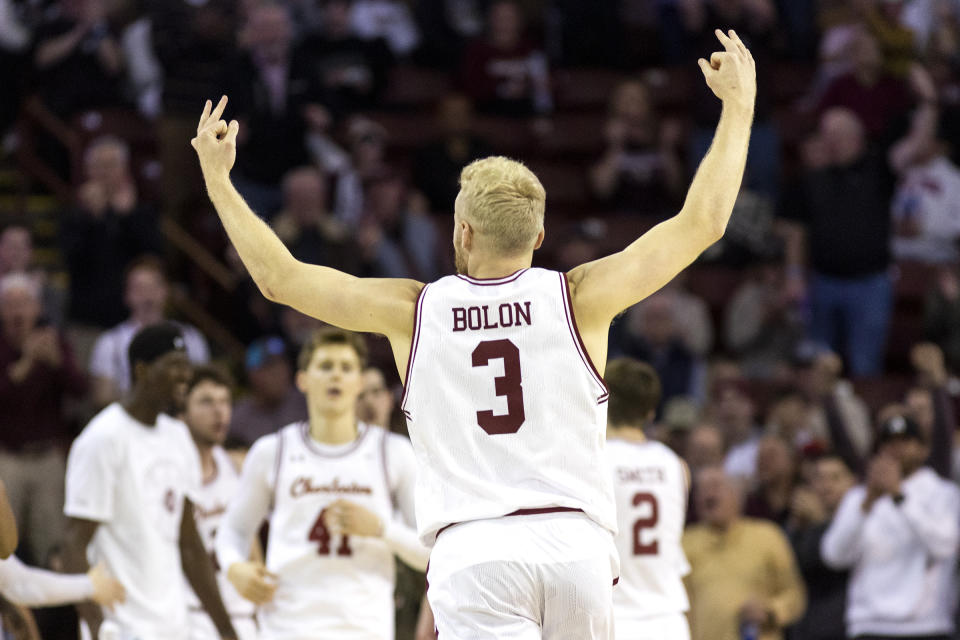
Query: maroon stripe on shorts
(519,512)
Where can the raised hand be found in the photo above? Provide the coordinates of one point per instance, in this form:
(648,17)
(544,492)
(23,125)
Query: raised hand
(731,74)
(216,141)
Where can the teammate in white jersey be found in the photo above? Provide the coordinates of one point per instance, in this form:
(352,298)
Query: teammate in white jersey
(339,497)
(505,411)
(129,477)
(207,414)
(651,485)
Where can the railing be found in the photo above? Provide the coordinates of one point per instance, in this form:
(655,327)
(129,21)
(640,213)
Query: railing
(38,122)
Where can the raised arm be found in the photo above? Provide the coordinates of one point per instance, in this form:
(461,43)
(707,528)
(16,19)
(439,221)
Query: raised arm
(8,525)
(359,304)
(605,287)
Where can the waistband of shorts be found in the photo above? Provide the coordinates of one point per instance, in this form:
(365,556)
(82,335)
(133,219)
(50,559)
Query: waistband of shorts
(521,512)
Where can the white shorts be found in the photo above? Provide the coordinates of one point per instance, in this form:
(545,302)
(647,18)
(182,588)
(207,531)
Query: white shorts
(670,627)
(524,577)
(202,627)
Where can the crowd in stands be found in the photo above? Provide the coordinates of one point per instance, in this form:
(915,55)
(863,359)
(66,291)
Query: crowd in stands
(799,353)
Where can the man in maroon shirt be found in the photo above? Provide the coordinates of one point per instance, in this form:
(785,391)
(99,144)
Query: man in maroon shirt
(37,372)
(503,72)
(881,101)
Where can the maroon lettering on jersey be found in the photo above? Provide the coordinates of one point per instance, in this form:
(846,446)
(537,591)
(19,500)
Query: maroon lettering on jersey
(459,319)
(506,315)
(303,486)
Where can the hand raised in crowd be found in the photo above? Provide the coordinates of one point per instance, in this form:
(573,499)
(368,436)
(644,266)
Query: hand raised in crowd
(42,345)
(252,581)
(106,590)
(348,518)
(216,141)
(731,74)
(806,508)
(927,360)
(883,477)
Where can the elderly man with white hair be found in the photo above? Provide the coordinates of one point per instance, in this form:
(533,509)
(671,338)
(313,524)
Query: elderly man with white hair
(37,372)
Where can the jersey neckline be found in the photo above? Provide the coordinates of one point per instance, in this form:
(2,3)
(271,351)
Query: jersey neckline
(333,451)
(486,282)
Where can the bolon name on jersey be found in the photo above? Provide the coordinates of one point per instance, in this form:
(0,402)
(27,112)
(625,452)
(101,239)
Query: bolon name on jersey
(508,314)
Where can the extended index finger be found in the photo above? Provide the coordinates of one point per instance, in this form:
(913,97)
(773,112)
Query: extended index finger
(203,116)
(725,40)
(221,106)
(738,42)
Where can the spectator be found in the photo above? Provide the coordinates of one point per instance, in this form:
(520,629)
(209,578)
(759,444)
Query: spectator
(146,295)
(755,22)
(389,20)
(704,448)
(376,401)
(898,533)
(194,42)
(839,417)
(930,405)
(503,72)
(308,228)
(74,41)
(941,314)
(16,256)
(879,101)
(447,25)
(776,479)
(273,402)
(693,315)
(811,510)
(640,170)
(762,324)
(743,573)
(925,218)
(650,332)
(436,170)
(734,413)
(838,222)
(397,238)
(368,148)
(350,72)
(276,103)
(896,39)
(109,227)
(789,418)
(37,374)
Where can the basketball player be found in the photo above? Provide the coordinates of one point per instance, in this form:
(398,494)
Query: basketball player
(505,410)
(651,484)
(331,488)
(207,415)
(129,474)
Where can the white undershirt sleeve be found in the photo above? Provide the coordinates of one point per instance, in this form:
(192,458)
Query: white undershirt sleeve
(841,545)
(934,517)
(401,532)
(33,587)
(250,505)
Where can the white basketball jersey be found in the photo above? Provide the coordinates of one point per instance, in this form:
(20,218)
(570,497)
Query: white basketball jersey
(651,493)
(506,411)
(332,587)
(210,503)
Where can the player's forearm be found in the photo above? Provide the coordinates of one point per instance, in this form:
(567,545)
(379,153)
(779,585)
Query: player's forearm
(262,252)
(714,189)
(405,543)
(79,534)
(199,572)
(33,587)
(8,525)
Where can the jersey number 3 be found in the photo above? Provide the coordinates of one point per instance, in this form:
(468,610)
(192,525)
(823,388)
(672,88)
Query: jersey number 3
(508,385)
(650,548)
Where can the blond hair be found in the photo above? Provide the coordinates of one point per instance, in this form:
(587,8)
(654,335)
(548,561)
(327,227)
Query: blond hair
(504,201)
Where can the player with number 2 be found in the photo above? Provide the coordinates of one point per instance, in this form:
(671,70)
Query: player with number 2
(506,411)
